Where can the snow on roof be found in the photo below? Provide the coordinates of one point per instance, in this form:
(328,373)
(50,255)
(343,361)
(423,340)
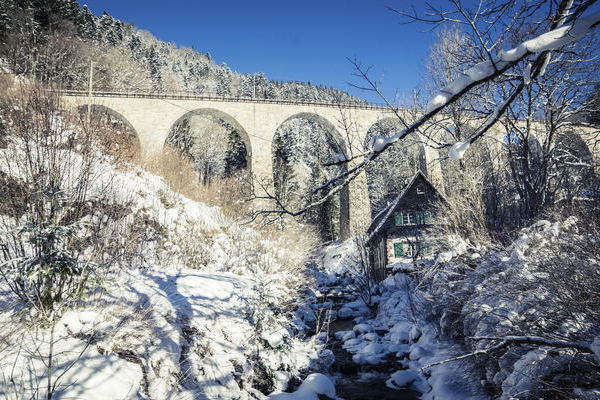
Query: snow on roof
(384,214)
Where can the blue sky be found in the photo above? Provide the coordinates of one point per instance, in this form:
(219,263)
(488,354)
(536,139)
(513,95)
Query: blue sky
(305,41)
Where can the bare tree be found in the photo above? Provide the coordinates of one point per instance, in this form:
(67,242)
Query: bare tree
(542,159)
(54,226)
(365,275)
(563,24)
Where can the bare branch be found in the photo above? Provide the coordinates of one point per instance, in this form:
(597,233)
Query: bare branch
(516,340)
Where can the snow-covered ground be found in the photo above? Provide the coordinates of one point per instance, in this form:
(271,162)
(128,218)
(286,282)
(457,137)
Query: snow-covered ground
(427,314)
(158,333)
(199,308)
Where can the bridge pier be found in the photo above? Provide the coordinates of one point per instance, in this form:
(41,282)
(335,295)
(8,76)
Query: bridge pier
(359,214)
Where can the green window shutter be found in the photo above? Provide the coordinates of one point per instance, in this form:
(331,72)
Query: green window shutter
(398,250)
(426,217)
(420,219)
(399,219)
(425,249)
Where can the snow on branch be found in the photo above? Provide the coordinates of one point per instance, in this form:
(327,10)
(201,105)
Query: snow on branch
(458,149)
(477,75)
(479,72)
(518,340)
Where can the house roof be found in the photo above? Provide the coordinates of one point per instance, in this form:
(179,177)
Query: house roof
(384,214)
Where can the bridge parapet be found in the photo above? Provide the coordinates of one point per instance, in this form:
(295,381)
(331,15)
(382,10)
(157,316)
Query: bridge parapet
(194,96)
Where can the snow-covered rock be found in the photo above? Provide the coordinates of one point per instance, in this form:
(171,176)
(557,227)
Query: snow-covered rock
(310,389)
(409,379)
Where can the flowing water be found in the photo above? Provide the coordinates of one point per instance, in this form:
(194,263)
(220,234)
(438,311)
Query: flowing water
(362,382)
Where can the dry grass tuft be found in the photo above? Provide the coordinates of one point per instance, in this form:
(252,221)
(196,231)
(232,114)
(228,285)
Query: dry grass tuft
(230,194)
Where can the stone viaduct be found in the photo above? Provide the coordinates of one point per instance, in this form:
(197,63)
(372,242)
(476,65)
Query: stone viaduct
(152,116)
(257,120)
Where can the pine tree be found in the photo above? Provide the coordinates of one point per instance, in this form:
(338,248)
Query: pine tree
(261,84)
(7,8)
(135,46)
(246,88)
(223,80)
(112,30)
(87,24)
(180,138)
(236,155)
(154,67)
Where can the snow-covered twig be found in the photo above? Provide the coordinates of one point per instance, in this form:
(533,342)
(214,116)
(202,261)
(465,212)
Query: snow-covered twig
(516,340)
(475,76)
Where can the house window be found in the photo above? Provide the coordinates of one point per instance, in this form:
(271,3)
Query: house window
(420,190)
(405,218)
(403,250)
(426,217)
(398,219)
(423,217)
(398,250)
(424,249)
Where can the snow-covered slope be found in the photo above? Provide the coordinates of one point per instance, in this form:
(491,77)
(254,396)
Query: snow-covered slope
(197,309)
(468,300)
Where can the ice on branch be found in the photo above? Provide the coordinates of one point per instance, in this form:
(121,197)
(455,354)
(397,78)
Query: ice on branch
(458,149)
(378,143)
(547,41)
(527,74)
(545,65)
(339,158)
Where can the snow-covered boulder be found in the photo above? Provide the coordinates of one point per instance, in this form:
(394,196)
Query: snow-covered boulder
(310,389)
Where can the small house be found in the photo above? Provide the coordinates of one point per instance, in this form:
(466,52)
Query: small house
(399,231)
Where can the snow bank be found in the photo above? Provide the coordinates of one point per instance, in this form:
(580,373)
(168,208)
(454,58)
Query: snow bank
(86,373)
(310,389)
(409,379)
(164,330)
(496,293)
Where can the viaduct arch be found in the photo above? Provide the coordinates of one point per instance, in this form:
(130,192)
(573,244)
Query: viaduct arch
(325,141)
(215,114)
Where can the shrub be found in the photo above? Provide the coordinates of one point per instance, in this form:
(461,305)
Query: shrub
(57,210)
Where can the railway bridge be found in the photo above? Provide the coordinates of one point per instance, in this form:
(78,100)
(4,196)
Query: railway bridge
(152,116)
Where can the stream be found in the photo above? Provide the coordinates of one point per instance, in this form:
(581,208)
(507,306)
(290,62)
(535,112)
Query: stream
(361,382)
(357,381)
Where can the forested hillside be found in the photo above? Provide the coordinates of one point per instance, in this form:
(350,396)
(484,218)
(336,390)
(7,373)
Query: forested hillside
(56,40)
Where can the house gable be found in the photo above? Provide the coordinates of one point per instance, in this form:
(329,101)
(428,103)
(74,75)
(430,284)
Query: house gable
(409,208)
(399,231)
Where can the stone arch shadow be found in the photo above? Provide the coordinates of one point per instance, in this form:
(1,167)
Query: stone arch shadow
(338,145)
(97,109)
(575,145)
(574,164)
(215,115)
(408,156)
